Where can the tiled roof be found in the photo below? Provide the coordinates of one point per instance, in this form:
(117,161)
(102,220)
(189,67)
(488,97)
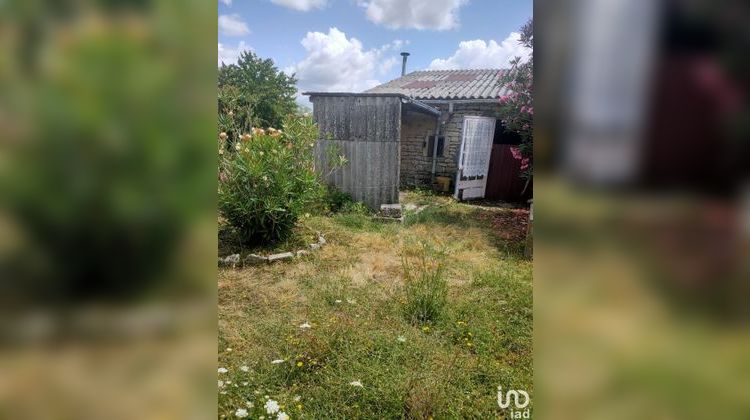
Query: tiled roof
(446,84)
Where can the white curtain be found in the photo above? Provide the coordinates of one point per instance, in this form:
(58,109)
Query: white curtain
(478,135)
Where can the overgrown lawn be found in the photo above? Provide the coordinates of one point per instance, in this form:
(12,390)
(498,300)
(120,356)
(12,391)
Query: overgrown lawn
(332,335)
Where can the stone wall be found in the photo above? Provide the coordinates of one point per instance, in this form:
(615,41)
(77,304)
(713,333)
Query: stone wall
(416,160)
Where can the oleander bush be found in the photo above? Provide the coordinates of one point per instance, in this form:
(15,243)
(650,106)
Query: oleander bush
(267,179)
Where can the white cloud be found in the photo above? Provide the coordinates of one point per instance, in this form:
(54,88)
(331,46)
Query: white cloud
(415,14)
(227,2)
(335,63)
(301,5)
(229,55)
(478,54)
(233,25)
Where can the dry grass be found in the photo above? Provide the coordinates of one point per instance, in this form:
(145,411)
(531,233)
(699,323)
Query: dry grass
(351,293)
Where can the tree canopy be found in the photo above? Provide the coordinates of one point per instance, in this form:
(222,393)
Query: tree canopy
(256,92)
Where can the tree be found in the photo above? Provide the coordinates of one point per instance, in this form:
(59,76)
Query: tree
(517,104)
(255,93)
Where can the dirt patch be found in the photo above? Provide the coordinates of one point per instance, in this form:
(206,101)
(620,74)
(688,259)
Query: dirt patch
(510,225)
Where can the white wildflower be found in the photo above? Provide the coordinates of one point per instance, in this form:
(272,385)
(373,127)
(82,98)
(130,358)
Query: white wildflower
(244,368)
(223,392)
(221,384)
(338,300)
(305,326)
(277,361)
(282,416)
(249,404)
(241,413)
(356,383)
(228,382)
(351,301)
(271,407)
(245,383)
(229,349)
(223,370)
(401,339)
(297,398)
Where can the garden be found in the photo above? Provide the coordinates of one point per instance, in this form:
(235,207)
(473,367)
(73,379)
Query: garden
(418,319)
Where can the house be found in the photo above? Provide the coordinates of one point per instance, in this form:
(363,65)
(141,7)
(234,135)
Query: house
(388,135)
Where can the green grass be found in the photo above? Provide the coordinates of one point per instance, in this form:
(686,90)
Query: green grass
(352,294)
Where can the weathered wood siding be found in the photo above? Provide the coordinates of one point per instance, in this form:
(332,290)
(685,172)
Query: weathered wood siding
(367,130)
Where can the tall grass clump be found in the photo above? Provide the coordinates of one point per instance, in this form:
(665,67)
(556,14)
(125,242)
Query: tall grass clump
(425,287)
(267,179)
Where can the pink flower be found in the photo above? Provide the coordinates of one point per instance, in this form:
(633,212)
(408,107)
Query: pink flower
(530,110)
(516,152)
(504,99)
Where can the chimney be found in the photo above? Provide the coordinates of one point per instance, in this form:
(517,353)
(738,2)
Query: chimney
(403,63)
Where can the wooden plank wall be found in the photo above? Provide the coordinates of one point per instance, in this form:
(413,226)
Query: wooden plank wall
(367,130)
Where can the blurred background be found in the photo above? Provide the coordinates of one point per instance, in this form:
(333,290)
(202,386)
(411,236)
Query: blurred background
(642,209)
(107,209)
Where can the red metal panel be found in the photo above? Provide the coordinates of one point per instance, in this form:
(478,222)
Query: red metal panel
(504,181)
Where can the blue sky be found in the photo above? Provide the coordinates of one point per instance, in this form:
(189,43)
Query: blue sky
(352,45)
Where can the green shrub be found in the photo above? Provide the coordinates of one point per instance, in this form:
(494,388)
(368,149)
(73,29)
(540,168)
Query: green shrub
(336,200)
(267,180)
(425,288)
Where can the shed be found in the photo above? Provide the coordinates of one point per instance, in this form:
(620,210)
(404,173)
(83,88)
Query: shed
(413,130)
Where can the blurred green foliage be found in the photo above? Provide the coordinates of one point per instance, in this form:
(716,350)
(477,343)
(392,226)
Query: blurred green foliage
(107,167)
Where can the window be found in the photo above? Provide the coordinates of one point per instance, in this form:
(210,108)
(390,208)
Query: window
(430,145)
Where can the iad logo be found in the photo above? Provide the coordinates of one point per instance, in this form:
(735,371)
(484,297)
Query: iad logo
(519,405)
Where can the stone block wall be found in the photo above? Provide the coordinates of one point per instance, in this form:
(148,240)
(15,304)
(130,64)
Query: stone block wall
(416,160)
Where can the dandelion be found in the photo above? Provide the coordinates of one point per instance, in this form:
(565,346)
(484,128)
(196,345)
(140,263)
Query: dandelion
(356,383)
(245,368)
(401,339)
(305,326)
(300,364)
(241,413)
(271,407)
(277,361)
(426,328)
(282,416)
(299,407)
(223,370)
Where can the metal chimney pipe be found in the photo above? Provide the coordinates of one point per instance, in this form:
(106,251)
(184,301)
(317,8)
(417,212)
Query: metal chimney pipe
(403,63)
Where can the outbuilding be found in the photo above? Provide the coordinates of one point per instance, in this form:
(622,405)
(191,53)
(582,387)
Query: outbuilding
(437,129)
